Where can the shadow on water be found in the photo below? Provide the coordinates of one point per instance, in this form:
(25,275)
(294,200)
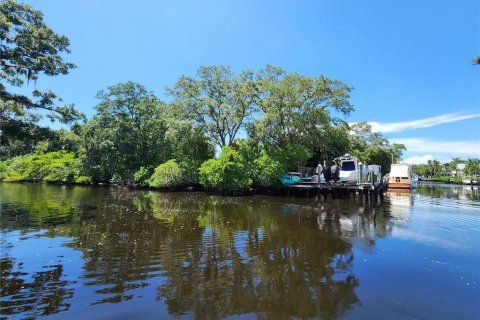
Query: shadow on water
(202,256)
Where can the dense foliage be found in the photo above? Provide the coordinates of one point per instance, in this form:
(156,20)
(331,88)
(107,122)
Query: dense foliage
(295,109)
(228,172)
(373,148)
(28,49)
(167,175)
(128,132)
(220,102)
(267,171)
(59,166)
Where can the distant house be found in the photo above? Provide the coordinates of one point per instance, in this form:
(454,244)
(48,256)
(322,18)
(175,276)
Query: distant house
(459,170)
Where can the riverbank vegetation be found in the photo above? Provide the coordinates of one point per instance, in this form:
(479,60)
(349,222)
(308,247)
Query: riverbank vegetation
(223,130)
(449,172)
(137,140)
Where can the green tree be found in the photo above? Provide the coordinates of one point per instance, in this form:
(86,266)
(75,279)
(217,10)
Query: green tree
(397,150)
(362,136)
(472,167)
(434,168)
(219,102)
(378,155)
(128,132)
(421,170)
(189,145)
(334,142)
(373,148)
(29,48)
(291,156)
(476,60)
(267,171)
(295,109)
(227,173)
(20,137)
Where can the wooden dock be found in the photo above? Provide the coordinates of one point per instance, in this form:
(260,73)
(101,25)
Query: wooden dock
(367,190)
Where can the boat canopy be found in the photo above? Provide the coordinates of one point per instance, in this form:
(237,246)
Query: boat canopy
(400,170)
(348,166)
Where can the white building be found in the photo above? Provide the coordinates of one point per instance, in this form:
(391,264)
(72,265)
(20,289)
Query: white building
(459,170)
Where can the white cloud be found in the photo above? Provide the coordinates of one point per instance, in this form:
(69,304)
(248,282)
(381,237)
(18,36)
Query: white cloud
(456,148)
(419,159)
(420,150)
(423,159)
(421,123)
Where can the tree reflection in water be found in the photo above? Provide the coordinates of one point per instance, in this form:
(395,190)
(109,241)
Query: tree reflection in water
(249,260)
(43,294)
(462,192)
(205,256)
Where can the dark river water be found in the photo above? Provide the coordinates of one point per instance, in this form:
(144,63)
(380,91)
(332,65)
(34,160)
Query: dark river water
(71,252)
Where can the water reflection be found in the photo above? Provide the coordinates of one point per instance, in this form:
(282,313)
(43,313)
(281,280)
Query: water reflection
(32,293)
(204,256)
(447,191)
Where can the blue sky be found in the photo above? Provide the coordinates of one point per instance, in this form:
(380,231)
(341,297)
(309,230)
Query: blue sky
(409,61)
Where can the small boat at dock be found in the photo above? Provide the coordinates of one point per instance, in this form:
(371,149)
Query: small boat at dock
(290,178)
(400,177)
(349,167)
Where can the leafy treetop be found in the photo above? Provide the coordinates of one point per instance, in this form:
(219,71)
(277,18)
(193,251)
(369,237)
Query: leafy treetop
(28,48)
(220,102)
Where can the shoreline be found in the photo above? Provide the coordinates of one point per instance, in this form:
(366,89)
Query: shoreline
(273,191)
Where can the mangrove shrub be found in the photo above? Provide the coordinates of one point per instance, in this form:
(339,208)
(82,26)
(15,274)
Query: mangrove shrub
(142,177)
(267,171)
(167,175)
(59,166)
(227,173)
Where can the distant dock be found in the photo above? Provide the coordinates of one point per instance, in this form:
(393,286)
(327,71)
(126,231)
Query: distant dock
(367,190)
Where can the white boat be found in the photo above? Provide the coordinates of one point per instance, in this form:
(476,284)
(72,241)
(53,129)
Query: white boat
(348,169)
(400,177)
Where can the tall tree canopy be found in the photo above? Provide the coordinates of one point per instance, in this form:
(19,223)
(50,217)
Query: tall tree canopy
(373,147)
(220,102)
(296,109)
(18,138)
(29,48)
(133,129)
(127,132)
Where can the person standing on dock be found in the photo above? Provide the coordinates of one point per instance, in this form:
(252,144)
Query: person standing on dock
(319,172)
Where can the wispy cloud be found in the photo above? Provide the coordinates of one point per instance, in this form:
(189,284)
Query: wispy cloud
(421,123)
(419,159)
(427,147)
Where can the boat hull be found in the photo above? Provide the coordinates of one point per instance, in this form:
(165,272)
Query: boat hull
(399,186)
